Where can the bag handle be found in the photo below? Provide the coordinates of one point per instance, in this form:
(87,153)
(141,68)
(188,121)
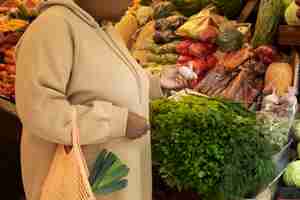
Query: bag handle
(75,142)
(79,155)
(76,138)
(75,129)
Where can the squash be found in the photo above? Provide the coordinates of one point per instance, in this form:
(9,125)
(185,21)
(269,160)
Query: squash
(143,41)
(127,27)
(144,14)
(145,37)
(230,40)
(280,77)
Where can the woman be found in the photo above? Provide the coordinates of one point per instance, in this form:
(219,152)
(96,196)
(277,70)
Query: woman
(66,60)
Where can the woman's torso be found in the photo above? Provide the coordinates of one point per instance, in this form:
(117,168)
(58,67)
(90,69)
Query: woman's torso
(98,73)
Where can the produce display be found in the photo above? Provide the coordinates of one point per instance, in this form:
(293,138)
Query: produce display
(219,140)
(15,17)
(217,137)
(223,57)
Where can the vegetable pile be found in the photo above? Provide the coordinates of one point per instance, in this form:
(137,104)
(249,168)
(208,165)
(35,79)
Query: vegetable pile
(216,56)
(16,16)
(210,145)
(277,115)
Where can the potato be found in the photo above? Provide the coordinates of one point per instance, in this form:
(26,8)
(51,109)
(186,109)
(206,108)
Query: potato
(280,77)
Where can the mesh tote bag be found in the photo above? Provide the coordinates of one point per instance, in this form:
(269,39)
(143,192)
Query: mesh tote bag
(68,175)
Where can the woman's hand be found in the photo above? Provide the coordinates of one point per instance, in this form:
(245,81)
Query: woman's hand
(298,11)
(170,79)
(137,126)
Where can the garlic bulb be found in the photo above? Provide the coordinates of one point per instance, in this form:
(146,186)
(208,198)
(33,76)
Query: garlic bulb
(187,73)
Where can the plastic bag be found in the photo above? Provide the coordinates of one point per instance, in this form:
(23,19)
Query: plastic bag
(277,116)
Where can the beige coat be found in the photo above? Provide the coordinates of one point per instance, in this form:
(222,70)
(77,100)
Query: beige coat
(65,59)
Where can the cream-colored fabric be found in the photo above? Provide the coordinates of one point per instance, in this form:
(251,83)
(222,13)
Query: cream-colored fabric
(68,175)
(63,60)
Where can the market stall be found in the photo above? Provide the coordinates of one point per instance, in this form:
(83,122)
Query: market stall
(240,65)
(232,132)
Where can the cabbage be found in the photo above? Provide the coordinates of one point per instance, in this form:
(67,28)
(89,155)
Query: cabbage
(291,176)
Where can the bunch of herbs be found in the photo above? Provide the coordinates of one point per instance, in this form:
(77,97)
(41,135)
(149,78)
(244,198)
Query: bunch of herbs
(208,145)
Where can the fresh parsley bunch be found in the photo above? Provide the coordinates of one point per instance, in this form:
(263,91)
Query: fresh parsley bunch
(209,145)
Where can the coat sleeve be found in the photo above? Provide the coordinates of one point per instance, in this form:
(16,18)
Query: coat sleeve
(45,57)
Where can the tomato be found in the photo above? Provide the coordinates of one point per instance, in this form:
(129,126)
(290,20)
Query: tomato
(198,50)
(201,49)
(183,47)
(199,66)
(211,61)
